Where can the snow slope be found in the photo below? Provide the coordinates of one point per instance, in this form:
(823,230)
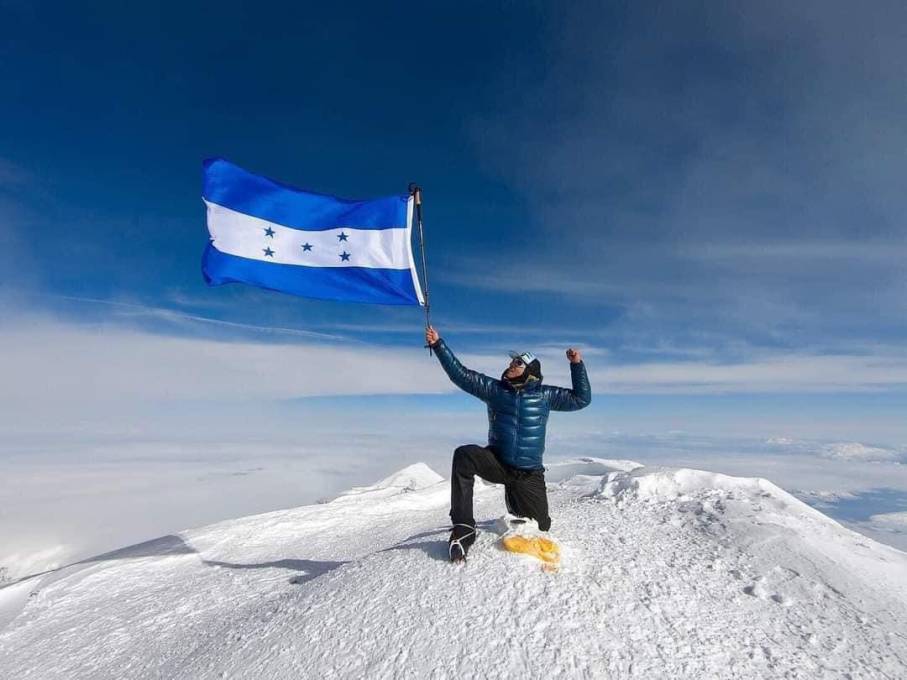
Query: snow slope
(669,573)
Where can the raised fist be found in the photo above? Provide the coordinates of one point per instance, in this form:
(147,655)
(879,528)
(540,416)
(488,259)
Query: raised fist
(574,355)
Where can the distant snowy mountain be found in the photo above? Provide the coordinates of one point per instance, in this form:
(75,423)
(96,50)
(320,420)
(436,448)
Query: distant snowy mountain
(668,573)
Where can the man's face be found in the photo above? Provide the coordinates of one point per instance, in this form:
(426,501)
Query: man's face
(516,369)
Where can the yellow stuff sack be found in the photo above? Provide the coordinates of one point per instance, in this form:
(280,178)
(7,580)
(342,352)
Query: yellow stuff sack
(542,548)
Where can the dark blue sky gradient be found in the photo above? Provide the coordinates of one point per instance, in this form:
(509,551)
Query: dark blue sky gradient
(652,179)
(109,112)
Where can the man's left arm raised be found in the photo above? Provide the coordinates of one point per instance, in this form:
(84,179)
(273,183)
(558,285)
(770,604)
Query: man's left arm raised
(562,399)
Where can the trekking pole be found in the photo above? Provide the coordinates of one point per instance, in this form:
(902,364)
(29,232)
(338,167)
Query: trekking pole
(416,192)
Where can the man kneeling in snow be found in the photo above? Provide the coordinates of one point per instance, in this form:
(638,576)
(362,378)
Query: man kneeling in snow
(518,408)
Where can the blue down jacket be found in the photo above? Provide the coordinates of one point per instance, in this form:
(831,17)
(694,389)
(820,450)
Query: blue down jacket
(517,417)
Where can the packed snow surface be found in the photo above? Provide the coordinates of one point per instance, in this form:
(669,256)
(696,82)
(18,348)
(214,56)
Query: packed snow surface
(667,573)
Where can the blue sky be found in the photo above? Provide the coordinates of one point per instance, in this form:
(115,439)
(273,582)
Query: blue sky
(706,197)
(701,178)
(696,179)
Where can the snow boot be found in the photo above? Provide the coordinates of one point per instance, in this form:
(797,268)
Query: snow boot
(462,536)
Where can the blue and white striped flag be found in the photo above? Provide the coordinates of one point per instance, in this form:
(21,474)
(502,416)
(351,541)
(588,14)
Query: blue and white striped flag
(273,236)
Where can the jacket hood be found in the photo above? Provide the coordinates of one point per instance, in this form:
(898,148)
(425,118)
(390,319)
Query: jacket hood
(524,382)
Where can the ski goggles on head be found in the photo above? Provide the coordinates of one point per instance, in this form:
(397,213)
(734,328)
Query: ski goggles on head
(524,358)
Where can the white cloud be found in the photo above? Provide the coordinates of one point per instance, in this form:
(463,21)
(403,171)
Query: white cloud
(60,372)
(780,372)
(878,369)
(895,520)
(846,450)
(124,310)
(860,452)
(51,362)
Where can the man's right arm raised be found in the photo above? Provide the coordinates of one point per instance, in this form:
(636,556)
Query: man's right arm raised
(473,382)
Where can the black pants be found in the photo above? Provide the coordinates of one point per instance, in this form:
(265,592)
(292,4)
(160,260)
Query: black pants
(524,490)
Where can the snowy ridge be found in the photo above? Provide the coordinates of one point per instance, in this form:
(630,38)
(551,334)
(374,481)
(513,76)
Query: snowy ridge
(669,573)
(411,478)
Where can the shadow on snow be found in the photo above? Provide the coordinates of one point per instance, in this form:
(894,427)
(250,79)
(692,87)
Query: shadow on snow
(435,549)
(173,545)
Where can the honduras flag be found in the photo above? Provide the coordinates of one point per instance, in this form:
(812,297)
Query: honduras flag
(273,236)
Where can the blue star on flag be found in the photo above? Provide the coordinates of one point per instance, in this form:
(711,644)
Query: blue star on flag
(269,232)
(342,236)
(306,247)
(345,256)
(268,252)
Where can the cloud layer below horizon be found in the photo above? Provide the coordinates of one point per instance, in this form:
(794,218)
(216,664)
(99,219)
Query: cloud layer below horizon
(54,366)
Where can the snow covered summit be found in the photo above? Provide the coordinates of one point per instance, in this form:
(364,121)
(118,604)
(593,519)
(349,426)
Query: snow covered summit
(668,573)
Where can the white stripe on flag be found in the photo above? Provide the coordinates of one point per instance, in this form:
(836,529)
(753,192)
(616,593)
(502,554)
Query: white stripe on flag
(246,236)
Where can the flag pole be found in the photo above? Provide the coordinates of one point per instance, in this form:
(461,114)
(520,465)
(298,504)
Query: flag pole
(416,192)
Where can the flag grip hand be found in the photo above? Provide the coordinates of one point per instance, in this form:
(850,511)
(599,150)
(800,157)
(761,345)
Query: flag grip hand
(431,337)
